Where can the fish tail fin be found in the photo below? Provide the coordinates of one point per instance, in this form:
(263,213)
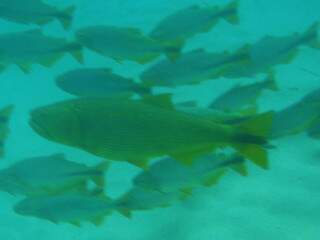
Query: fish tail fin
(66,17)
(272,83)
(233,16)
(312,33)
(251,138)
(99,180)
(4,129)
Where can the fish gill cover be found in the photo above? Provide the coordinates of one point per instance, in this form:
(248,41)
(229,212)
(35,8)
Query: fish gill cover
(152,120)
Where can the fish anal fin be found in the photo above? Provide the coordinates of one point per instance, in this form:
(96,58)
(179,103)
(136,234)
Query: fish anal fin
(97,221)
(255,153)
(50,61)
(125,212)
(185,193)
(213,178)
(233,7)
(78,56)
(66,17)
(240,168)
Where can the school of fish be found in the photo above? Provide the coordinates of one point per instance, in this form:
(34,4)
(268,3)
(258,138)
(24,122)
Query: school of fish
(177,146)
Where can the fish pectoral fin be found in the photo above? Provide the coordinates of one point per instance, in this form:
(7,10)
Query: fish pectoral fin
(185,193)
(271,80)
(188,157)
(161,100)
(43,21)
(24,67)
(146,58)
(75,223)
(125,212)
(213,178)
(50,61)
(36,31)
(252,109)
(99,180)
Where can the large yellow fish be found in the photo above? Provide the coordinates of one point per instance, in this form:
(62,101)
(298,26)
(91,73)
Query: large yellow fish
(139,130)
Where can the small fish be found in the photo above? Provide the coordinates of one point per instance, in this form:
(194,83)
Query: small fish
(136,131)
(239,97)
(73,208)
(5,114)
(123,44)
(139,199)
(98,82)
(168,176)
(49,175)
(193,67)
(271,51)
(34,12)
(297,117)
(175,29)
(32,46)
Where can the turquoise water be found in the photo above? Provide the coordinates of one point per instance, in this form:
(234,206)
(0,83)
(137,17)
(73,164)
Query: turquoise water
(280,203)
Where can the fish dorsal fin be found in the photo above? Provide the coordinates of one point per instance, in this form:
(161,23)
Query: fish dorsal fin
(162,100)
